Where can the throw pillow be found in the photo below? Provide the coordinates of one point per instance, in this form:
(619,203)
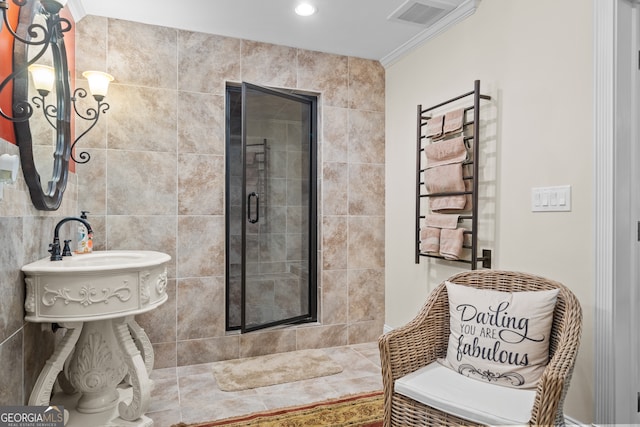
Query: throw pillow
(499,337)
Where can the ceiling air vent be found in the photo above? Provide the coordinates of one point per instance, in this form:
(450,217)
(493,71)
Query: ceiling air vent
(421,12)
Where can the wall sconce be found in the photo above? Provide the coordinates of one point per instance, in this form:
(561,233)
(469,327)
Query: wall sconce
(43,78)
(8,171)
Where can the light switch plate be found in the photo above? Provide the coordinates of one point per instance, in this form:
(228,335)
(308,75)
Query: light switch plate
(551,199)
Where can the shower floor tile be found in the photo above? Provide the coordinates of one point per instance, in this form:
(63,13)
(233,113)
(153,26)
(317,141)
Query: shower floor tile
(190,394)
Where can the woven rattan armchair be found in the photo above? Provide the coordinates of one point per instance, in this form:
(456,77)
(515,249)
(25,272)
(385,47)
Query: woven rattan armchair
(424,339)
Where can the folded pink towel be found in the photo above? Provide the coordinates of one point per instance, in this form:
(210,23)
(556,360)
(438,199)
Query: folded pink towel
(444,179)
(430,240)
(451,242)
(434,127)
(442,221)
(446,152)
(453,121)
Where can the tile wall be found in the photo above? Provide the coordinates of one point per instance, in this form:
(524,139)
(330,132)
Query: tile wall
(157,179)
(25,234)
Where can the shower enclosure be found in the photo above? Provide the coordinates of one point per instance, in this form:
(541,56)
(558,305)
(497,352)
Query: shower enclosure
(270,208)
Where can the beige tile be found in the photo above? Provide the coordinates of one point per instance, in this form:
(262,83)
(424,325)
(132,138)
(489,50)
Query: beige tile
(99,226)
(142,55)
(168,417)
(366,137)
(335,134)
(142,118)
(201,184)
(267,342)
(355,364)
(363,332)
(299,393)
(201,123)
(11,283)
(321,336)
(334,297)
(193,352)
(366,189)
(366,295)
(269,64)
(201,308)
(206,61)
(201,251)
(334,242)
(91,44)
(221,409)
(366,84)
(326,73)
(133,190)
(164,355)
(335,189)
(366,242)
(160,323)
(142,232)
(11,392)
(369,383)
(164,395)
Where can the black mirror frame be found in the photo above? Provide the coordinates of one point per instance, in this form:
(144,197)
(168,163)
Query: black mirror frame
(50,199)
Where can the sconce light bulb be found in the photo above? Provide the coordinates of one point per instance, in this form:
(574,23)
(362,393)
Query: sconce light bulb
(98,83)
(43,78)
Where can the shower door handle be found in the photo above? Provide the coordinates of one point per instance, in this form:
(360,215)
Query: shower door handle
(257,217)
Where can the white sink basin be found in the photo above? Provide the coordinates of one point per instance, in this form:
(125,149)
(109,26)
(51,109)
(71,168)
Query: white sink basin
(98,261)
(100,285)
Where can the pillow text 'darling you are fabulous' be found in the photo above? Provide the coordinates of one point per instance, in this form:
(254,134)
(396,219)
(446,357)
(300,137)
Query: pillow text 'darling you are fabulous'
(499,337)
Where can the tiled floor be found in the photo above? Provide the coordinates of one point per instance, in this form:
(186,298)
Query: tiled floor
(190,393)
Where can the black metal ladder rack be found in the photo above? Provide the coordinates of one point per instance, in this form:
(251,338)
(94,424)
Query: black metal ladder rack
(422,196)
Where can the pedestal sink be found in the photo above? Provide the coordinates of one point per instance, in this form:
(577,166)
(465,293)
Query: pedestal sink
(95,297)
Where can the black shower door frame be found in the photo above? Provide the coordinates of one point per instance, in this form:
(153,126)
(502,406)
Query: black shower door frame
(310,314)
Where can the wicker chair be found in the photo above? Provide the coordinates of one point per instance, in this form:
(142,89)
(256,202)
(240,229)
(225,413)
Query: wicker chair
(424,339)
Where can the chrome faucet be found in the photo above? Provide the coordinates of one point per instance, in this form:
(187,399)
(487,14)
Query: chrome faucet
(54,248)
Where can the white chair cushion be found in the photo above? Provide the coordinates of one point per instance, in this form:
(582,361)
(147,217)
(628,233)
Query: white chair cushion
(473,400)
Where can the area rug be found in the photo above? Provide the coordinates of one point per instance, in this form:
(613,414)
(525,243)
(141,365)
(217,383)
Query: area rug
(363,410)
(279,368)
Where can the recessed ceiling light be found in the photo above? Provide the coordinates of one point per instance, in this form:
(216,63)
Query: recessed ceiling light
(305,9)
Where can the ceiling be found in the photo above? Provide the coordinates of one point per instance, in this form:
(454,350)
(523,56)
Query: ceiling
(358,28)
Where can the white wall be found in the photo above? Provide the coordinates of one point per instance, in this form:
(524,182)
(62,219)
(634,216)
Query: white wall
(535,59)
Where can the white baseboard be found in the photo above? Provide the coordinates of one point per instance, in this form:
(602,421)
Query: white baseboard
(386,329)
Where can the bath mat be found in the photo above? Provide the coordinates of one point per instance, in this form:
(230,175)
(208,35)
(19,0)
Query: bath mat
(279,368)
(364,410)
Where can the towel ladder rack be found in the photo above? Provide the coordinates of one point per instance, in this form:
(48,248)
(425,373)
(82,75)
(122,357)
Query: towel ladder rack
(422,197)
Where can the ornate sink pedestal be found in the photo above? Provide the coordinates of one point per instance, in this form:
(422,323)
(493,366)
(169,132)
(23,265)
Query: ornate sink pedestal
(105,356)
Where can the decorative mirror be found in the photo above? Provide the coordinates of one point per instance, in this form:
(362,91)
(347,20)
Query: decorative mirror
(45,166)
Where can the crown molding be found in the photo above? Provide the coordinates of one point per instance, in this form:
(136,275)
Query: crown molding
(77,9)
(463,11)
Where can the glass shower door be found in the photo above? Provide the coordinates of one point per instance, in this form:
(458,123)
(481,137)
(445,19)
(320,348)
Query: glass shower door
(276,211)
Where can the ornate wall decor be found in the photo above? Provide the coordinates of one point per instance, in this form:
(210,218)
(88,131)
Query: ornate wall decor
(87,295)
